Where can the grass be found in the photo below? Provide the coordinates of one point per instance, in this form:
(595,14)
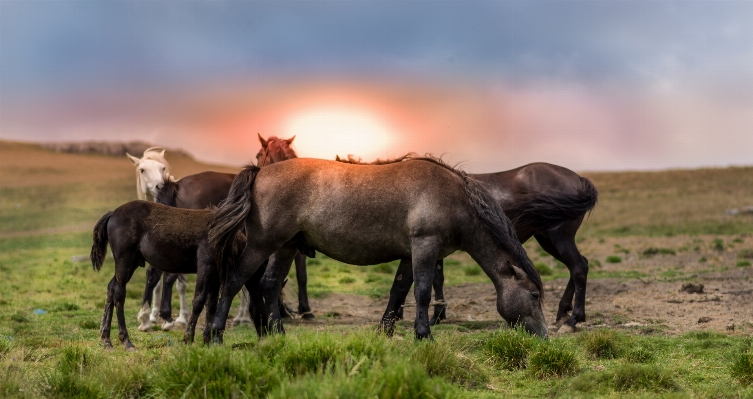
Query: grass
(49,202)
(613,259)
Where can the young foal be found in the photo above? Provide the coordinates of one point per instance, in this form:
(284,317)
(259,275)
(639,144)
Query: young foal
(172,240)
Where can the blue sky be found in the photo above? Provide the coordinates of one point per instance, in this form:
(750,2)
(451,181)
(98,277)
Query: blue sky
(594,85)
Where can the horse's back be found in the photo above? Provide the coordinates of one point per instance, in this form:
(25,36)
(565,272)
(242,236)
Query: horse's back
(203,189)
(343,208)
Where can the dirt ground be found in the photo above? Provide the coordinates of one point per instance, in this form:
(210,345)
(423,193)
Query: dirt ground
(651,302)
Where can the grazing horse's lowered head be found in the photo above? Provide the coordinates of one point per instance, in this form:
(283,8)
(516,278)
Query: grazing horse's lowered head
(274,149)
(152,171)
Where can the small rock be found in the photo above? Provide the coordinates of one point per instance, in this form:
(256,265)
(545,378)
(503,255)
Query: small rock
(704,319)
(731,327)
(732,212)
(691,288)
(632,324)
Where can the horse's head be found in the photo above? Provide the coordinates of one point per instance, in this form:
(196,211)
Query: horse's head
(274,150)
(152,171)
(519,301)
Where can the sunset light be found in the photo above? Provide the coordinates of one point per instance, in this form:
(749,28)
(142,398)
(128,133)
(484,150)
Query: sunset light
(324,133)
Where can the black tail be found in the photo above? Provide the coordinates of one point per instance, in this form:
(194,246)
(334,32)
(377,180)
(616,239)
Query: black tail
(99,247)
(230,215)
(168,193)
(547,210)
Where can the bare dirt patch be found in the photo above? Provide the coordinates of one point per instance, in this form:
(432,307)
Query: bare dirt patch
(645,295)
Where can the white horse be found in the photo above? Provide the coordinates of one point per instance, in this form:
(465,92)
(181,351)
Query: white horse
(152,171)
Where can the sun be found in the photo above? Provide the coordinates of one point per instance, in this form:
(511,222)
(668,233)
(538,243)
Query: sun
(326,132)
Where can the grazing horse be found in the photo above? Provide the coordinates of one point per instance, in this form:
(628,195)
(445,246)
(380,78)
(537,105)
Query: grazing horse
(170,239)
(547,202)
(413,209)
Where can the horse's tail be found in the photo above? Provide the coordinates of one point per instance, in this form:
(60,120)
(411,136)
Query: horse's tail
(168,194)
(500,226)
(230,215)
(549,209)
(99,247)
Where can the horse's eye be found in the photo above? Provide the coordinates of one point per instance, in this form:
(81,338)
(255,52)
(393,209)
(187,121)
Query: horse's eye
(535,296)
(142,170)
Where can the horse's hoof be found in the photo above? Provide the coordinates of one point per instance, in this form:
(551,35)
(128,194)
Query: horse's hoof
(181,320)
(145,327)
(168,326)
(153,318)
(566,329)
(308,316)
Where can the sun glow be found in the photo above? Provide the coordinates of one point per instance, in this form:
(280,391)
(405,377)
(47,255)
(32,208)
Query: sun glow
(324,133)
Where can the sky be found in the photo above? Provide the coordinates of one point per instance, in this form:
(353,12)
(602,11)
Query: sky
(589,85)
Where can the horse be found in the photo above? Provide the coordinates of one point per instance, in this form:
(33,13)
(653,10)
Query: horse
(152,173)
(276,150)
(172,240)
(547,202)
(415,210)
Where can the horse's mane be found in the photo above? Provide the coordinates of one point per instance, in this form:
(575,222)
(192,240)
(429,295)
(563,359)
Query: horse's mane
(483,203)
(287,149)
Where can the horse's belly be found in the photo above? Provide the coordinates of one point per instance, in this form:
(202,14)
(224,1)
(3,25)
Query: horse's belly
(358,249)
(172,260)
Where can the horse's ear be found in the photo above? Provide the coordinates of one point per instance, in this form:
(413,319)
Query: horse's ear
(133,159)
(290,140)
(263,142)
(162,153)
(517,272)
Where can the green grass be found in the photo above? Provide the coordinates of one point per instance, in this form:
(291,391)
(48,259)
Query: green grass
(613,259)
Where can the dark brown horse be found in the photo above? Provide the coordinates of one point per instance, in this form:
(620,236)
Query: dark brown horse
(172,240)
(547,202)
(416,210)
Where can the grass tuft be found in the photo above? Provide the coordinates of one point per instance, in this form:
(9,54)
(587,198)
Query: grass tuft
(613,259)
(741,367)
(543,269)
(603,343)
(441,359)
(510,348)
(473,270)
(385,268)
(552,359)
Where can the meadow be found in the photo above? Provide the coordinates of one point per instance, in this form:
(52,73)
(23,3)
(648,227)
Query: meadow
(651,233)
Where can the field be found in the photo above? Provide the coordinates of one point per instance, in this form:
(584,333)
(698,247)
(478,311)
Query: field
(651,234)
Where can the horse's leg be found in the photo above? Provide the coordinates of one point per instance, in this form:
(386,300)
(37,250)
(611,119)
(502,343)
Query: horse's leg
(255,301)
(423,257)
(104,329)
(124,274)
(271,284)
(213,293)
(153,277)
(438,284)
(199,299)
(400,287)
(182,285)
(560,243)
(166,310)
(156,300)
(253,256)
(243,313)
(303,298)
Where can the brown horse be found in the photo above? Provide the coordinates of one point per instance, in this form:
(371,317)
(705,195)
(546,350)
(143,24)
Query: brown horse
(547,202)
(272,151)
(172,240)
(413,209)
